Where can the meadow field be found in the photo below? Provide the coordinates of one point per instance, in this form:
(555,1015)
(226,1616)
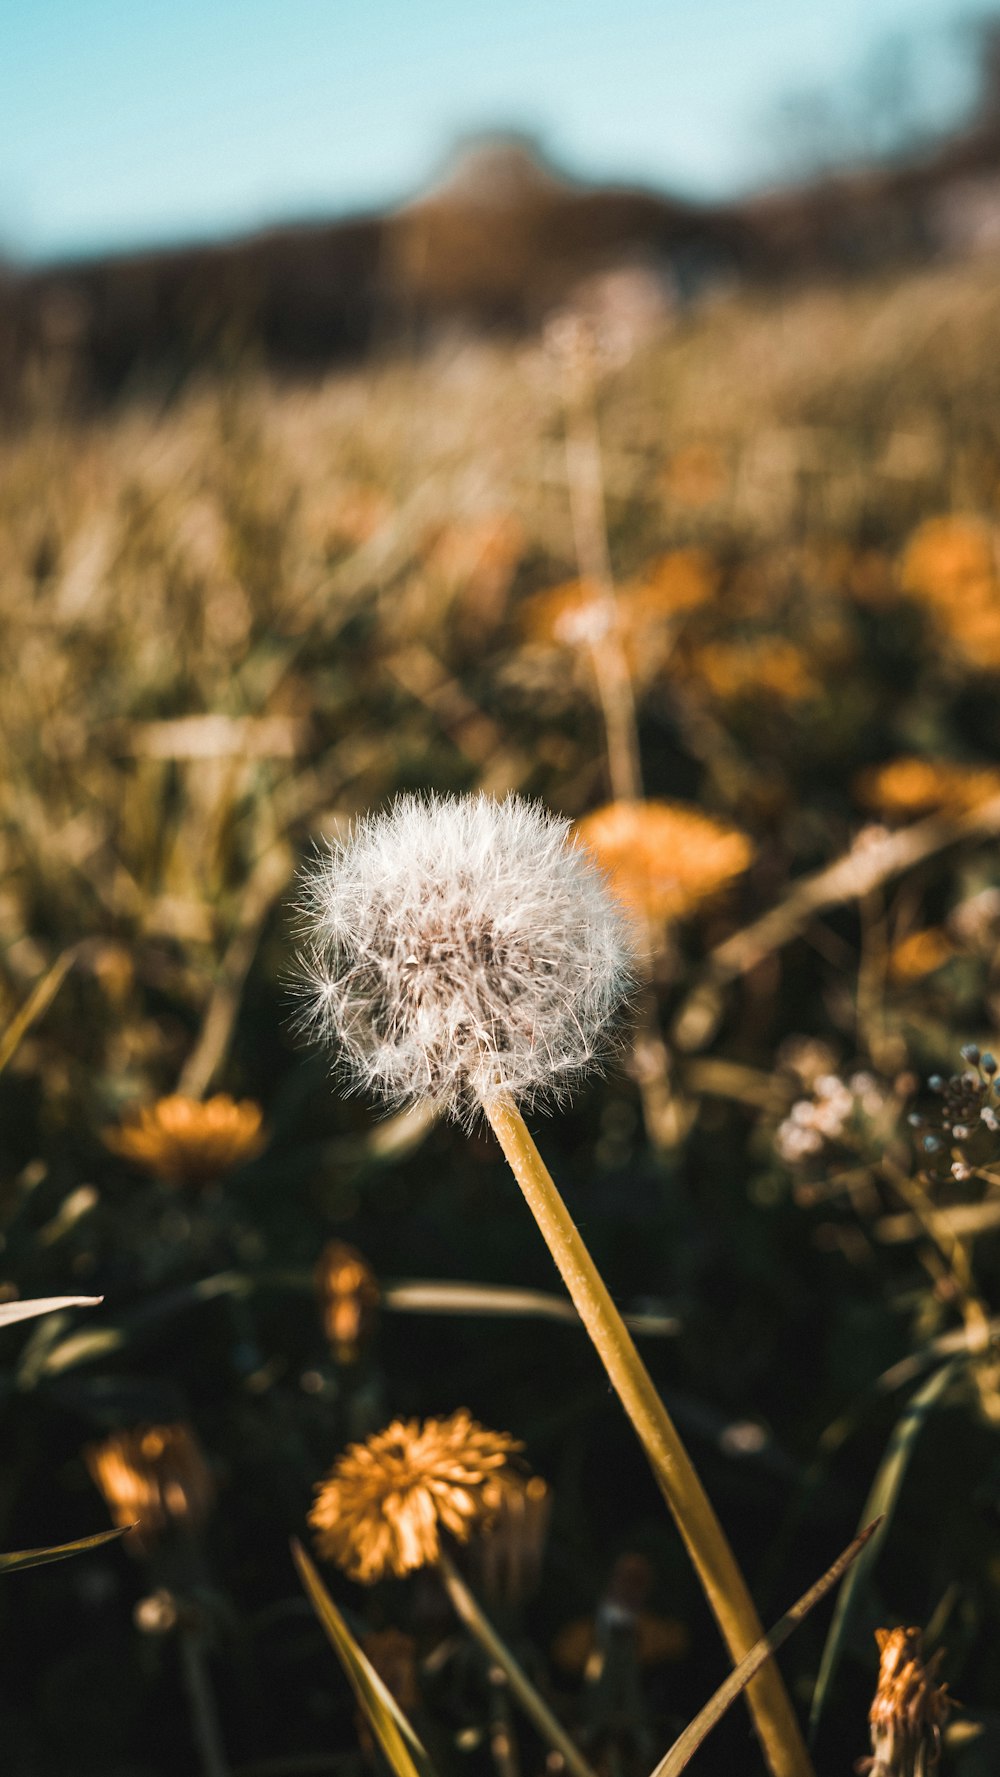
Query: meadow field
(728,599)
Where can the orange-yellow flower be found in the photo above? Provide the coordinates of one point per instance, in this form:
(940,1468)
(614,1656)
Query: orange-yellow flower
(349,1297)
(919,954)
(189,1141)
(769,667)
(664,858)
(912,786)
(385,1503)
(909,1709)
(153,1477)
(644,610)
(950,559)
(952,565)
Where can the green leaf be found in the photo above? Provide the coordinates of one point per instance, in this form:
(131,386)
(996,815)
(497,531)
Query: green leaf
(393,1732)
(684,1749)
(881,1503)
(59,1552)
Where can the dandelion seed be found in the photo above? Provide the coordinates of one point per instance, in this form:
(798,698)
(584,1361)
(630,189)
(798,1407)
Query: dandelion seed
(459,949)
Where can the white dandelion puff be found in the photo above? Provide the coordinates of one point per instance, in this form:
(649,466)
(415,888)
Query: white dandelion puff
(459,948)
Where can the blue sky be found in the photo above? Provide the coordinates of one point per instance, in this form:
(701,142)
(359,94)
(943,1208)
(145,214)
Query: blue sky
(124,122)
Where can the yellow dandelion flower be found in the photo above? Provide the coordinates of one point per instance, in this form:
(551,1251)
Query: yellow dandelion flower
(949,559)
(349,1297)
(664,858)
(645,610)
(952,565)
(569,615)
(681,580)
(913,786)
(919,954)
(154,1476)
(187,1141)
(769,667)
(909,1709)
(385,1503)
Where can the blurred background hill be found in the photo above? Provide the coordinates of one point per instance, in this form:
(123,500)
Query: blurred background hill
(503,235)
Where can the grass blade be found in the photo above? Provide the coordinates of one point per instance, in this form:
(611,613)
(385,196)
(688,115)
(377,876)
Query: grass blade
(37,1003)
(881,1503)
(13,1311)
(400,1744)
(19,1558)
(496,1650)
(684,1749)
(420,1296)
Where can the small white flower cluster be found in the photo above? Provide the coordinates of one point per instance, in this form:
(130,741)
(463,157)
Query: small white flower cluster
(813,1122)
(461,948)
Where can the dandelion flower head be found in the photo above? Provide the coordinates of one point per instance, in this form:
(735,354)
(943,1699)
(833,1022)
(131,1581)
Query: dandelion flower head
(189,1141)
(385,1502)
(664,859)
(153,1477)
(913,786)
(463,948)
(909,1709)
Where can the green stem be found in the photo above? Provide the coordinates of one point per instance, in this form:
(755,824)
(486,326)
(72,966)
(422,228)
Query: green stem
(535,1708)
(723,1583)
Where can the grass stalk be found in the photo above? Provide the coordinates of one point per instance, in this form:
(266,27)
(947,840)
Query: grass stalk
(201,1702)
(469,1613)
(723,1583)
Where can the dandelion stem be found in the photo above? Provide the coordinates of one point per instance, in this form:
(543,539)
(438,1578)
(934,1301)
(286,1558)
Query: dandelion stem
(585,475)
(704,1538)
(204,1715)
(535,1707)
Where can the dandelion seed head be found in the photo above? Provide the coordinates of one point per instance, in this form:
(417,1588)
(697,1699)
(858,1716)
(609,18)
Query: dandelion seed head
(462,947)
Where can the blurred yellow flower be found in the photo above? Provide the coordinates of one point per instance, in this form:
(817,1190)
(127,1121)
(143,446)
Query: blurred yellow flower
(768,667)
(919,954)
(569,615)
(188,1141)
(664,858)
(384,1504)
(681,580)
(951,565)
(574,616)
(913,786)
(153,1477)
(950,558)
(349,1297)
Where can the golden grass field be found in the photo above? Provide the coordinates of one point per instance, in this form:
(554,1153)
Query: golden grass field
(237,616)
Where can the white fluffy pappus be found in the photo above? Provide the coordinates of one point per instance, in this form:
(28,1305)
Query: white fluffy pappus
(458,948)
